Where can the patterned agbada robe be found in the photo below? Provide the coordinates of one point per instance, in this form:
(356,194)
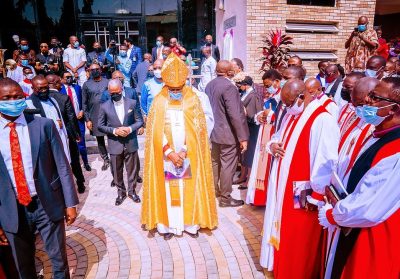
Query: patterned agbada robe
(359,51)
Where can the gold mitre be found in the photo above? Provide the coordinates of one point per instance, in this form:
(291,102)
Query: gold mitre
(174,72)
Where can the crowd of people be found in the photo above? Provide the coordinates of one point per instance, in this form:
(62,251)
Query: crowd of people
(321,153)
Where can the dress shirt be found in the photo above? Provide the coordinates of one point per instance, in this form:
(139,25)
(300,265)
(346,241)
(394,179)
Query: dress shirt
(16,75)
(74,97)
(120,110)
(149,90)
(51,112)
(208,72)
(159,52)
(129,51)
(26,152)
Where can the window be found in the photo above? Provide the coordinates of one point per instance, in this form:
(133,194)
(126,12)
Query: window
(326,3)
(311,27)
(314,55)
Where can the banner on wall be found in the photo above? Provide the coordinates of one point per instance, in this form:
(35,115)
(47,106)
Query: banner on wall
(227,52)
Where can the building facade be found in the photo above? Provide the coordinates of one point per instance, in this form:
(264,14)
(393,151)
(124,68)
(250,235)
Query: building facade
(319,28)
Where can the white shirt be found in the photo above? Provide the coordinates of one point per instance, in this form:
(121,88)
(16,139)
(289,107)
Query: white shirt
(119,108)
(159,52)
(17,74)
(338,98)
(74,98)
(26,152)
(26,87)
(74,56)
(208,72)
(51,112)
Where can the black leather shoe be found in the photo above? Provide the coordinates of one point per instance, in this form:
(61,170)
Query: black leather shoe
(193,235)
(139,180)
(81,188)
(239,181)
(87,167)
(231,202)
(120,200)
(168,236)
(134,197)
(106,164)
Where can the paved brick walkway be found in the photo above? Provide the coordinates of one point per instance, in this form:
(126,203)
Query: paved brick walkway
(107,241)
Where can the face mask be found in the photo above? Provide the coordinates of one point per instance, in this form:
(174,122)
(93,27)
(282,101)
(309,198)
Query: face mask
(159,44)
(30,76)
(359,111)
(157,73)
(53,45)
(362,27)
(369,114)
(76,44)
(13,108)
(272,90)
(164,56)
(283,82)
(44,96)
(295,109)
(370,73)
(123,53)
(69,80)
(175,96)
(116,97)
(208,44)
(150,74)
(8,67)
(24,47)
(95,74)
(330,79)
(345,94)
(24,62)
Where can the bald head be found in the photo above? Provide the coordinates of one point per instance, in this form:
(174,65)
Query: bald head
(295,61)
(206,51)
(166,51)
(54,81)
(294,72)
(224,68)
(313,87)
(115,86)
(361,90)
(362,20)
(292,89)
(147,57)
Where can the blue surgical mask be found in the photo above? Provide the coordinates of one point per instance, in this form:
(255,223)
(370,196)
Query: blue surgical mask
(370,116)
(24,62)
(283,82)
(13,108)
(370,73)
(159,44)
(175,96)
(362,27)
(272,90)
(76,44)
(24,47)
(359,111)
(123,53)
(164,56)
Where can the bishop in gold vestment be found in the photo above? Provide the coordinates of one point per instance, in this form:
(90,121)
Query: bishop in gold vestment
(177,132)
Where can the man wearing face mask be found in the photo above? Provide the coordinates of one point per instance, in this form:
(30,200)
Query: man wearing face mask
(38,192)
(98,56)
(314,88)
(166,52)
(14,71)
(75,60)
(92,91)
(140,74)
(347,111)
(45,61)
(371,208)
(119,119)
(26,84)
(334,84)
(123,62)
(25,49)
(361,44)
(48,107)
(23,61)
(305,151)
(157,51)
(390,69)
(321,75)
(208,42)
(151,88)
(375,67)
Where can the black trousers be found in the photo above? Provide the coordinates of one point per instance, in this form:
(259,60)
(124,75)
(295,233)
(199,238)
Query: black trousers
(101,144)
(32,218)
(117,166)
(75,162)
(224,162)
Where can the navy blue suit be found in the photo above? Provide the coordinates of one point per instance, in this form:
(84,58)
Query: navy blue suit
(81,122)
(55,191)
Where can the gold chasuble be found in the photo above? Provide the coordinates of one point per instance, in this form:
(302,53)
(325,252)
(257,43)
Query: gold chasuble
(199,205)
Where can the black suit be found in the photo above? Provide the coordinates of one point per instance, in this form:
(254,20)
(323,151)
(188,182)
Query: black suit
(122,149)
(230,128)
(55,191)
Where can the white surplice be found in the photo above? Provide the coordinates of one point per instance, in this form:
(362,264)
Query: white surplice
(332,107)
(375,198)
(175,213)
(324,141)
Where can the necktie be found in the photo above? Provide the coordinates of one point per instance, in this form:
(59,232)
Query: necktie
(69,92)
(23,195)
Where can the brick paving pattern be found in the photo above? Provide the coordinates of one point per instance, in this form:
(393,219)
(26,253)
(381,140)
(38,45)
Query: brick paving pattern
(107,241)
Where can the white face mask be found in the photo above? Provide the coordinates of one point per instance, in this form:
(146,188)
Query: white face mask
(157,73)
(30,76)
(295,109)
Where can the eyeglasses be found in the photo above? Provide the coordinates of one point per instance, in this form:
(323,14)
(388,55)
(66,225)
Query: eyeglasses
(301,97)
(377,98)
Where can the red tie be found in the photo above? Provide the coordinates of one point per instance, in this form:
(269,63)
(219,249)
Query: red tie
(69,91)
(23,195)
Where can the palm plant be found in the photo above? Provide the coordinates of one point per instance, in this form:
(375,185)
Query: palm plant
(275,51)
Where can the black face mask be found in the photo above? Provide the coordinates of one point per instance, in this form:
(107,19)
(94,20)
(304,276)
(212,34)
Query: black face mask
(95,73)
(98,49)
(44,95)
(345,94)
(69,80)
(150,74)
(208,44)
(116,97)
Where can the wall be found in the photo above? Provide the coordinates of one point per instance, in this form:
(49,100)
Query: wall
(233,8)
(265,15)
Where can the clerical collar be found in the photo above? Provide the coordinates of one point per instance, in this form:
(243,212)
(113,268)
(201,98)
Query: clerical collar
(379,134)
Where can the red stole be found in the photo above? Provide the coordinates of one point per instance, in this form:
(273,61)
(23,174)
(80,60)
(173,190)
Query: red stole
(301,237)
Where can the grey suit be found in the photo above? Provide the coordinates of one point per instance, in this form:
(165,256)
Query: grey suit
(55,191)
(230,128)
(122,150)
